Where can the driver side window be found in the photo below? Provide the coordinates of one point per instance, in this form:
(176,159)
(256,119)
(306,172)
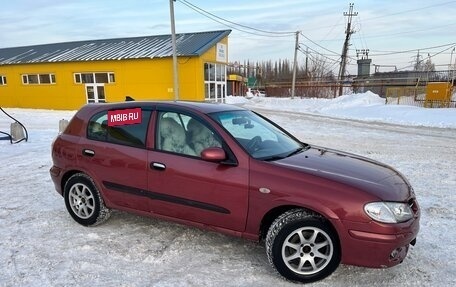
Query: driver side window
(183,134)
(201,137)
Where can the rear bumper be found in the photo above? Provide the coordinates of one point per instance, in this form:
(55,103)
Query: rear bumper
(378,245)
(56,176)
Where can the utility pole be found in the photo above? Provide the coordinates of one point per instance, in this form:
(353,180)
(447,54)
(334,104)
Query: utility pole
(348,33)
(173,39)
(452,68)
(417,66)
(307,59)
(295,63)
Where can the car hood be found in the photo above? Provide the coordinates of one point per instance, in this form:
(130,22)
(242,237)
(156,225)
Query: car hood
(378,179)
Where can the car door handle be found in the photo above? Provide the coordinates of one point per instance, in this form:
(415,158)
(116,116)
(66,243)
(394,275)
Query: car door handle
(158,166)
(88,152)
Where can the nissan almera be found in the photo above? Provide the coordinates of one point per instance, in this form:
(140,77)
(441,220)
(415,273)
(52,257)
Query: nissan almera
(221,167)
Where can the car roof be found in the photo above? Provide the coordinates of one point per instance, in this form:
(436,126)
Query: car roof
(202,107)
(205,107)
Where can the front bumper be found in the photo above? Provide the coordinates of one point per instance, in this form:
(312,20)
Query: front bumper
(377,245)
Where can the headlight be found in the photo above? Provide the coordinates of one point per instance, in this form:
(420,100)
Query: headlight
(388,212)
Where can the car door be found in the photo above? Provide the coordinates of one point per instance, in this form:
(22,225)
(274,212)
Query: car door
(184,186)
(115,156)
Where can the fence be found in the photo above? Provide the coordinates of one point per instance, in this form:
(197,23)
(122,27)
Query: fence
(306,89)
(415,96)
(402,94)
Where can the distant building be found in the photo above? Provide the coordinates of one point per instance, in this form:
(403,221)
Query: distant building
(69,75)
(236,85)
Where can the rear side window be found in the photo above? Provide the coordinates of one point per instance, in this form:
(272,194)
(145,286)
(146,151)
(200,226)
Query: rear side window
(128,134)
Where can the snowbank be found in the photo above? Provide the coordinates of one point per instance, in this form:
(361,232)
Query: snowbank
(364,106)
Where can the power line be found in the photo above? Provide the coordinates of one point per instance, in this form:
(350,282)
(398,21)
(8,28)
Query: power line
(399,33)
(322,55)
(315,43)
(361,34)
(234,25)
(332,28)
(386,15)
(429,57)
(330,68)
(264,33)
(410,32)
(411,10)
(363,37)
(388,53)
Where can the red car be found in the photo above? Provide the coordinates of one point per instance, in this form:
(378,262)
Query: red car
(225,168)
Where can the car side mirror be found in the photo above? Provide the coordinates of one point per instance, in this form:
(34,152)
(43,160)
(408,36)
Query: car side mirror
(213,154)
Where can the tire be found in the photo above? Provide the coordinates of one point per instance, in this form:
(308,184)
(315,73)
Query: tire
(84,202)
(302,246)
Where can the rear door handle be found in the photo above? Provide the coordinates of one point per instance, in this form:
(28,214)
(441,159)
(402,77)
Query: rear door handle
(158,166)
(88,152)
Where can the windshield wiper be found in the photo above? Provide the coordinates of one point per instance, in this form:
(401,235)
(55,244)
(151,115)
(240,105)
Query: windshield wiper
(274,157)
(298,150)
(277,157)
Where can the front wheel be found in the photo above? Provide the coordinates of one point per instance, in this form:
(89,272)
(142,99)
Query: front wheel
(84,202)
(302,246)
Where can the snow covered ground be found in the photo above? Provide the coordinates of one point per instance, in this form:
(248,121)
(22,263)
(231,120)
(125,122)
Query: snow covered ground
(367,107)
(40,245)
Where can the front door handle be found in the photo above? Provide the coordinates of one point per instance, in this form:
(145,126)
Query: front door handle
(158,166)
(88,152)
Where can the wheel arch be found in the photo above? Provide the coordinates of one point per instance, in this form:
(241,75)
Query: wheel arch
(275,212)
(66,176)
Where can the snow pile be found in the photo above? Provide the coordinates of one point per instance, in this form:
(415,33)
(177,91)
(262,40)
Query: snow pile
(364,106)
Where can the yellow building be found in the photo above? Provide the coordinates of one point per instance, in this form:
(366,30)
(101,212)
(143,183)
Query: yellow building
(69,75)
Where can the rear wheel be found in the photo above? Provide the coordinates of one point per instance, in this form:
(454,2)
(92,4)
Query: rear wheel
(302,246)
(84,202)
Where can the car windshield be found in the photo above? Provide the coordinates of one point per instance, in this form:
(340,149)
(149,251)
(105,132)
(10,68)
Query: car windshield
(259,137)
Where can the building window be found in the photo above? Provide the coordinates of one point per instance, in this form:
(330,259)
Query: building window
(91,78)
(2,80)
(112,79)
(215,81)
(38,79)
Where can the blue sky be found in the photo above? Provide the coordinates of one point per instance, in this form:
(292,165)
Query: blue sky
(393,31)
